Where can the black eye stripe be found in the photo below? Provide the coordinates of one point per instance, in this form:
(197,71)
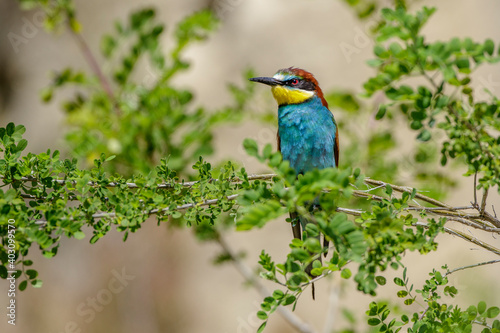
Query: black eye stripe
(302,84)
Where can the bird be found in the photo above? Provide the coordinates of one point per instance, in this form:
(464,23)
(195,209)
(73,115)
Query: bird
(307,131)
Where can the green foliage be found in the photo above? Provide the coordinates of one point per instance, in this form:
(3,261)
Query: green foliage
(365,9)
(446,104)
(370,146)
(437,316)
(144,117)
(50,198)
(58,13)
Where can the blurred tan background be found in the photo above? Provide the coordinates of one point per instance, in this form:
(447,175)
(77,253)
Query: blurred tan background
(163,288)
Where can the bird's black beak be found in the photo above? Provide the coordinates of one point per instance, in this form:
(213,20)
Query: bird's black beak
(270,81)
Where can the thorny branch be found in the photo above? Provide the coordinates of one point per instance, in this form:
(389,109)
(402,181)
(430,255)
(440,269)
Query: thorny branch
(480,219)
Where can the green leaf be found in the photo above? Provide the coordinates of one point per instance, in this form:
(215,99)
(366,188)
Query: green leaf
(395,48)
(481,307)
(37,283)
(489,46)
(385,314)
(266,152)
(48,254)
(32,274)
(262,315)
(312,230)
(462,63)
(22,145)
(492,312)
(382,109)
(399,282)
(278,294)
(266,306)
(10,129)
(3,272)
(289,299)
(378,50)
(251,147)
(94,238)
(79,235)
(258,215)
(381,280)
(108,45)
(424,136)
(300,254)
(373,321)
(27,262)
(23,285)
(346,273)
(374,62)
(388,189)
(261,327)
(409,301)
(313,245)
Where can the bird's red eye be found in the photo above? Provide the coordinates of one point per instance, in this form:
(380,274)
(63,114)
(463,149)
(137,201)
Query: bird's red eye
(294,82)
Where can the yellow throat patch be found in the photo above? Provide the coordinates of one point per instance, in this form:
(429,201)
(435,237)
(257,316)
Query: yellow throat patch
(290,96)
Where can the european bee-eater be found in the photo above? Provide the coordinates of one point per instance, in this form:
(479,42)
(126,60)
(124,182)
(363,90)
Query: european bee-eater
(307,132)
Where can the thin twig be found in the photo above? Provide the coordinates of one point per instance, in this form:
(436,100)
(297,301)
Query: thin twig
(363,194)
(94,66)
(472,266)
(134,185)
(348,211)
(466,237)
(250,277)
(423,313)
(403,189)
(160,210)
(474,225)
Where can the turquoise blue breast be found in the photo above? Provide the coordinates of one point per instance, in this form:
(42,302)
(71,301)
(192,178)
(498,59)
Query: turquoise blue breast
(307,133)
